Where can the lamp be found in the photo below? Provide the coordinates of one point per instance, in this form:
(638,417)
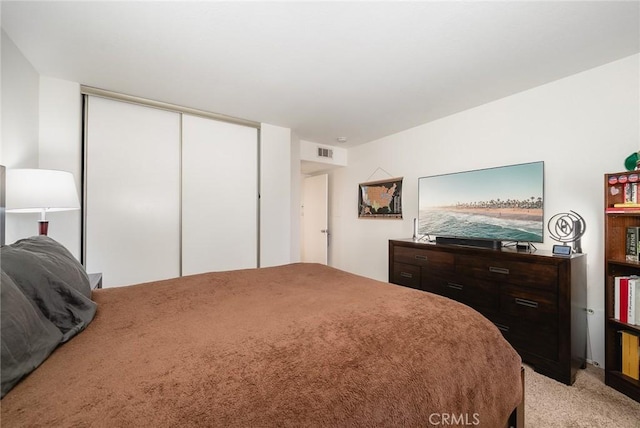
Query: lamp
(40,190)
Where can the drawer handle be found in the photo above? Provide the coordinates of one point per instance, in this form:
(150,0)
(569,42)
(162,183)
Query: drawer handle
(454,285)
(527,303)
(503,271)
(406,275)
(420,257)
(502,327)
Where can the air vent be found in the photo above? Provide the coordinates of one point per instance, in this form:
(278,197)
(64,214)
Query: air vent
(325,153)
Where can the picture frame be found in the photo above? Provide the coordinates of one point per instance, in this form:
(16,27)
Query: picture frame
(380,199)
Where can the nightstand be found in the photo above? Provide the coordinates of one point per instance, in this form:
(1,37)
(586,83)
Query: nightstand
(95,280)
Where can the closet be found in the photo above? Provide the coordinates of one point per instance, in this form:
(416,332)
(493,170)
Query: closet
(166,193)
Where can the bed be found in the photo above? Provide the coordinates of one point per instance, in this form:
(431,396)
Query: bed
(294,345)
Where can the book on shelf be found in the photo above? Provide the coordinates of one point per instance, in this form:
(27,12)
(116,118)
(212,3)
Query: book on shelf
(630,353)
(626,299)
(627,205)
(623,209)
(630,193)
(631,301)
(631,244)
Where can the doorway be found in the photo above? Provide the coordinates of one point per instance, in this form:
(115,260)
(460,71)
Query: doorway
(315,219)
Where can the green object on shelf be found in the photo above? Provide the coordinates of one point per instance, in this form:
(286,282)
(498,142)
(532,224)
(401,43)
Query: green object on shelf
(631,162)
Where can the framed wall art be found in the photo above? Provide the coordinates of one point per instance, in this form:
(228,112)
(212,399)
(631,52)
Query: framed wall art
(380,199)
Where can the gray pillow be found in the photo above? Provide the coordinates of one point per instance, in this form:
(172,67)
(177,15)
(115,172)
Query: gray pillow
(53,280)
(27,336)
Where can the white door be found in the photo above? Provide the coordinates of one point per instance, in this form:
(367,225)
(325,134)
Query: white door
(219,196)
(315,219)
(132,228)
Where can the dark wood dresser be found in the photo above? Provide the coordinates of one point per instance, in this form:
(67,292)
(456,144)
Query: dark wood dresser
(537,300)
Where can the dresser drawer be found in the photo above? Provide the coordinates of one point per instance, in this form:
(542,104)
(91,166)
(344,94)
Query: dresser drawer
(530,304)
(432,259)
(473,292)
(537,275)
(406,274)
(537,339)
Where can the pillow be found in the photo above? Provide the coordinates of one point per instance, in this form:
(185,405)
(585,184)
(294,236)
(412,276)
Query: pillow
(27,336)
(53,280)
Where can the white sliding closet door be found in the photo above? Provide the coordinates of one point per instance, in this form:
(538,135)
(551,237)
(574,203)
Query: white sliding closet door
(132,229)
(219,196)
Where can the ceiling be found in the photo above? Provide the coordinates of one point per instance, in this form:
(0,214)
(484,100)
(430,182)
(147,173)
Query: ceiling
(360,70)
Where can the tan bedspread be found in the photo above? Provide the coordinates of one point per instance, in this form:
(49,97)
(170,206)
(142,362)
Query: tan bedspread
(297,345)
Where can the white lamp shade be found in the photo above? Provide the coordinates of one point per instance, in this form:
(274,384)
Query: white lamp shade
(37,190)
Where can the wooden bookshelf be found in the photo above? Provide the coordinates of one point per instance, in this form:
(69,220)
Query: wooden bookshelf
(616,221)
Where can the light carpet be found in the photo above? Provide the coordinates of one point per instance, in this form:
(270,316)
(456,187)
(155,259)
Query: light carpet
(587,403)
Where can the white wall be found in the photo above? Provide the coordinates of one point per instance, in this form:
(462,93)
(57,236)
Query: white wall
(581,127)
(19,108)
(296,199)
(19,148)
(41,120)
(60,147)
(276,207)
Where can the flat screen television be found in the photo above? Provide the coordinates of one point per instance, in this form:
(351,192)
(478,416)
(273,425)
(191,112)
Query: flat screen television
(504,203)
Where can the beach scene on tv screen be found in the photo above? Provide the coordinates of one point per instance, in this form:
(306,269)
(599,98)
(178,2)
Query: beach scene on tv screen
(503,203)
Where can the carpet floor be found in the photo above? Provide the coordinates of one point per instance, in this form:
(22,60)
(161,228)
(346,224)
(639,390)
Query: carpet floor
(588,403)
